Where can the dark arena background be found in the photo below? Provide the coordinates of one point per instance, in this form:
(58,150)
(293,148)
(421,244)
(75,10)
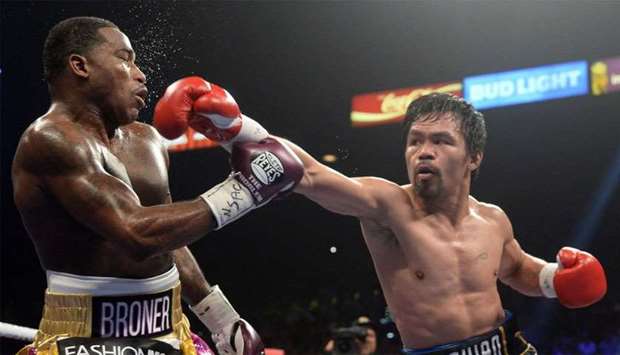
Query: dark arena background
(294,270)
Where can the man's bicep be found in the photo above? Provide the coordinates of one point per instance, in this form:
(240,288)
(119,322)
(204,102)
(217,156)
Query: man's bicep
(512,258)
(338,193)
(512,254)
(69,169)
(95,199)
(520,270)
(332,189)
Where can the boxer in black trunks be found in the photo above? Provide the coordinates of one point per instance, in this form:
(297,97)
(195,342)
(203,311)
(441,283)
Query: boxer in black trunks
(439,252)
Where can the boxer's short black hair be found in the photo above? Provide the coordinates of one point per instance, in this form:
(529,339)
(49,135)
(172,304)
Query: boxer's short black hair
(75,35)
(471,122)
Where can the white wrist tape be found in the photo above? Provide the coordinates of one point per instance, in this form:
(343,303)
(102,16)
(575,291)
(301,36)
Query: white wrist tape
(251,131)
(228,201)
(215,312)
(545,280)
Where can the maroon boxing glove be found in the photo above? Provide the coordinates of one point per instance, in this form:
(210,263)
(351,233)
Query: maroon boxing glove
(261,171)
(273,169)
(231,334)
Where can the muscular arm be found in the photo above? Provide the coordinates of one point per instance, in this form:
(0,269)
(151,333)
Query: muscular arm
(518,269)
(359,197)
(71,170)
(194,285)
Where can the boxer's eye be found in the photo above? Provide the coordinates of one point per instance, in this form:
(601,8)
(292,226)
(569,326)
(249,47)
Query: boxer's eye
(125,57)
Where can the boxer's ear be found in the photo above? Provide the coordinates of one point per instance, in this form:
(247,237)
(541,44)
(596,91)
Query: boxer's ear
(475,160)
(78,65)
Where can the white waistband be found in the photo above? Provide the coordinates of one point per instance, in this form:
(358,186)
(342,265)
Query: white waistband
(62,282)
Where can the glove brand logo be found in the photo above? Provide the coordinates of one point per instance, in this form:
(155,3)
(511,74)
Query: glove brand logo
(267,168)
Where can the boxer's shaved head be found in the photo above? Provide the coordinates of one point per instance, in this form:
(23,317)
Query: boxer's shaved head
(75,35)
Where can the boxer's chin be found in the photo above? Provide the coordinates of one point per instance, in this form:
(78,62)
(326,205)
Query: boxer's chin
(427,188)
(131,116)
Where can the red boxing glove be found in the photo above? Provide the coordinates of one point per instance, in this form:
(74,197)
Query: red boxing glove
(216,115)
(208,109)
(578,279)
(175,108)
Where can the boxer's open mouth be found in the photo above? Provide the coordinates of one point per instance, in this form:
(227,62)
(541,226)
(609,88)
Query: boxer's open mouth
(141,95)
(425,169)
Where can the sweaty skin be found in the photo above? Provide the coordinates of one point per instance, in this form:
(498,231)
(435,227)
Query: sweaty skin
(437,251)
(91,184)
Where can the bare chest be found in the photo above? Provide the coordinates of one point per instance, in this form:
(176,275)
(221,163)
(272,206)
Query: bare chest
(467,257)
(420,253)
(142,166)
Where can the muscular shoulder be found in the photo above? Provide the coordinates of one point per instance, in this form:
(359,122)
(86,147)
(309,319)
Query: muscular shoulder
(53,145)
(146,131)
(493,214)
(147,134)
(378,183)
(392,199)
(386,191)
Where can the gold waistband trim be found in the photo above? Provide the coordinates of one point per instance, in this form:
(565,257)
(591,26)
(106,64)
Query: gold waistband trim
(71,315)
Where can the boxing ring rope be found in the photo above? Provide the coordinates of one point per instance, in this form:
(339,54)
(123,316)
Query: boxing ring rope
(12,331)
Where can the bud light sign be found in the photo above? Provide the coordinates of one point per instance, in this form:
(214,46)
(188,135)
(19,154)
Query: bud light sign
(527,85)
